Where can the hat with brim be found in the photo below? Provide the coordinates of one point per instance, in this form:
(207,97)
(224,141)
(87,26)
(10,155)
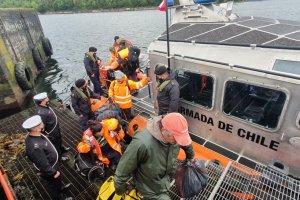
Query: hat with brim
(40,96)
(177,125)
(32,122)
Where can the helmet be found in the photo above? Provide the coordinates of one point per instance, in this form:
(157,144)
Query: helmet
(111,123)
(83,147)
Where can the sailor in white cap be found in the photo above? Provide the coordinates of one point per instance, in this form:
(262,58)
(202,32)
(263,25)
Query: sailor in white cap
(120,91)
(49,118)
(44,156)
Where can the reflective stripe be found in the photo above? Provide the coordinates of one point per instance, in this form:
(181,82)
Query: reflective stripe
(123,102)
(122,97)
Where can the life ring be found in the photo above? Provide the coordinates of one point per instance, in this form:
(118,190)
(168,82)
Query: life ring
(47,46)
(23,76)
(37,58)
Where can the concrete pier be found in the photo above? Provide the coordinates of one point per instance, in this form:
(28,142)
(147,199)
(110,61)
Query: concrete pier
(23,53)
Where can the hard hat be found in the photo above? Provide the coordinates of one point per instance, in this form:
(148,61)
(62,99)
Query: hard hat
(112,124)
(83,147)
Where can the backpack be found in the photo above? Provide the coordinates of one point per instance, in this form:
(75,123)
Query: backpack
(133,60)
(108,111)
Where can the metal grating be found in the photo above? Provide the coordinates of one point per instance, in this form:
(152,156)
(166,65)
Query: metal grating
(30,186)
(239,182)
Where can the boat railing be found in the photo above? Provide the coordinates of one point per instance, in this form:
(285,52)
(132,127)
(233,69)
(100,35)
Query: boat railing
(235,181)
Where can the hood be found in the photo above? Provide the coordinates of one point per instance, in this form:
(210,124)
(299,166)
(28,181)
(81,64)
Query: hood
(153,128)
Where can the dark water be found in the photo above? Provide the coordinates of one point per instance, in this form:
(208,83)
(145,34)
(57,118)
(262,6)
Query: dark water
(72,34)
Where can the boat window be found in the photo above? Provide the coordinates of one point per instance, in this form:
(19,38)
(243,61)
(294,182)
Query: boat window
(196,88)
(262,106)
(287,66)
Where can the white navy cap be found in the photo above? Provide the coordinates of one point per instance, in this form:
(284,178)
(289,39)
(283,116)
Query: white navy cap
(32,122)
(40,96)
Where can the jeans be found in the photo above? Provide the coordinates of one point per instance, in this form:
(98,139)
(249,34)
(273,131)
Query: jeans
(97,85)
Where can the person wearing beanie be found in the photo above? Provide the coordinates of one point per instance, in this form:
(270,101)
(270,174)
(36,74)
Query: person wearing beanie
(80,98)
(151,156)
(91,63)
(168,92)
(120,91)
(44,156)
(50,120)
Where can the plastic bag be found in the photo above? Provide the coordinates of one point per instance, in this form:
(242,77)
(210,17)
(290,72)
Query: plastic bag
(191,178)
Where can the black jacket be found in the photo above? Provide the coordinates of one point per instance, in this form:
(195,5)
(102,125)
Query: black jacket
(49,119)
(80,105)
(168,98)
(91,66)
(42,153)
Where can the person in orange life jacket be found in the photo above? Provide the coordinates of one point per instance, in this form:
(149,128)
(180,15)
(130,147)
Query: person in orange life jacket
(128,58)
(91,63)
(120,91)
(168,91)
(112,135)
(49,118)
(80,99)
(113,55)
(44,156)
(106,138)
(90,136)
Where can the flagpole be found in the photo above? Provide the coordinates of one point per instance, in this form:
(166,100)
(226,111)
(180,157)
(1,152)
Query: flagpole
(168,44)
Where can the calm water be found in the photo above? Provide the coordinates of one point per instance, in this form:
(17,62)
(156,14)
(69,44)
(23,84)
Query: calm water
(72,34)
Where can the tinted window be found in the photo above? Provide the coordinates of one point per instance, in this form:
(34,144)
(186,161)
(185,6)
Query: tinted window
(288,66)
(255,104)
(196,88)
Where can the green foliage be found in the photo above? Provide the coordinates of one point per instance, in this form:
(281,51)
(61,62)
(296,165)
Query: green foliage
(66,5)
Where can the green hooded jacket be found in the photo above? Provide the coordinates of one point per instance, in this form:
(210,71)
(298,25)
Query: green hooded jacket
(150,162)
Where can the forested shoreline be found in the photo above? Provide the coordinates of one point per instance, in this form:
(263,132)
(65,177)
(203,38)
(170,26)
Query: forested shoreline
(43,6)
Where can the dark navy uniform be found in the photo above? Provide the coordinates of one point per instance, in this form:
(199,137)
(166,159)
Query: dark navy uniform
(52,129)
(43,154)
(168,98)
(92,69)
(82,105)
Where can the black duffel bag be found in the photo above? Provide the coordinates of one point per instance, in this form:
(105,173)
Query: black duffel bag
(191,178)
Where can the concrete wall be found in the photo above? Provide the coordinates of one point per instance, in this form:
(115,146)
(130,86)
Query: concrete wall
(20,32)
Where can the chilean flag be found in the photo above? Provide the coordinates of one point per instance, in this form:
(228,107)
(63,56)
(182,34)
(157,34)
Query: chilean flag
(162,6)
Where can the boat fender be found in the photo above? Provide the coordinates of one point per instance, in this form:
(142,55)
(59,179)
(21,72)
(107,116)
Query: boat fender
(23,76)
(37,58)
(47,47)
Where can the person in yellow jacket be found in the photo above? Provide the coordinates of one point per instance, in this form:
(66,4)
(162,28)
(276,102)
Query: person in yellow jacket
(120,91)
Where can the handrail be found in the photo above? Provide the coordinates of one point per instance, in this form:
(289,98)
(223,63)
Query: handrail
(5,185)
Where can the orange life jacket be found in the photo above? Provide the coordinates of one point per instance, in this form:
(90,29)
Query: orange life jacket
(97,103)
(113,138)
(120,92)
(89,138)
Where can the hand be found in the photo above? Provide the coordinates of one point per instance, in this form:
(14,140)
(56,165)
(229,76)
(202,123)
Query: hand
(137,70)
(57,174)
(80,116)
(95,101)
(93,75)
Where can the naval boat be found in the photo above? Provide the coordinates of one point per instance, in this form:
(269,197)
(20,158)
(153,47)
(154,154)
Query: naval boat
(238,81)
